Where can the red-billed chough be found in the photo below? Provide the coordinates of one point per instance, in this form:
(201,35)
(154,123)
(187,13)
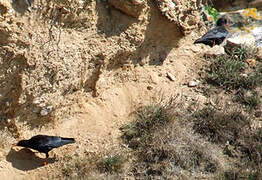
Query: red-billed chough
(44,143)
(216,35)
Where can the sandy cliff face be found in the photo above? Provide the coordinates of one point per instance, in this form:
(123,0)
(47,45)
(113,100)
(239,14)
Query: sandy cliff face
(58,56)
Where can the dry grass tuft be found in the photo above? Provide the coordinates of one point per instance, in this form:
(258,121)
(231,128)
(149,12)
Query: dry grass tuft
(112,164)
(231,71)
(219,126)
(232,130)
(78,167)
(163,147)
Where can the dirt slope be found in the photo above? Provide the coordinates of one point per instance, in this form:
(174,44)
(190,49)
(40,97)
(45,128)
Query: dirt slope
(75,68)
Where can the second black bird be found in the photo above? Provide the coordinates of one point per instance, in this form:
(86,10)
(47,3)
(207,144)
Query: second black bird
(216,35)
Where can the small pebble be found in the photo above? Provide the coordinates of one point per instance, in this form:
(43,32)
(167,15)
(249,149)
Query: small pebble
(244,75)
(46,111)
(36,101)
(251,62)
(35,110)
(149,87)
(10,11)
(170,76)
(193,83)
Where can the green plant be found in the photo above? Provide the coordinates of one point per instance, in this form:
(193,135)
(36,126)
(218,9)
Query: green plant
(231,71)
(212,12)
(111,164)
(240,53)
(78,167)
(217,126)
(232,129)
(251,100)
(161,140)
(225,72)
(148,119)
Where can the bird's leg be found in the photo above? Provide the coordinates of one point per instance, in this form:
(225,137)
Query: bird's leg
(46,157)
(214,43)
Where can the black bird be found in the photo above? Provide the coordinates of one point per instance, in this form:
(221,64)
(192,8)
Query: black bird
(216,35)
(44,143)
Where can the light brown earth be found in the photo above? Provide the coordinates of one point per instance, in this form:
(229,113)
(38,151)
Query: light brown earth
(91,64)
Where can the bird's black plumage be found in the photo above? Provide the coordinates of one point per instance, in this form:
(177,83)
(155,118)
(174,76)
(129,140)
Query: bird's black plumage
(216,35)
(44,143)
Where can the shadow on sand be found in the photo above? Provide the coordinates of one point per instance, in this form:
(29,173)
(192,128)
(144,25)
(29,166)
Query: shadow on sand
(25,159)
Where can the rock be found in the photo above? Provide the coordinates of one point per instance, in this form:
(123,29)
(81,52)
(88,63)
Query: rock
(251,62)
(246,39)
(193,83)
(215,51)
(170,76)
(244,75)
(46,111)
(43,112)
(149,87)
(36,101)
(196,49)
(154,78)
(129,7)
(184,13)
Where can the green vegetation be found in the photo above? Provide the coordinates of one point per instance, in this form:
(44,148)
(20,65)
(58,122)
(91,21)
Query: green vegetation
(252,100)
(226,72)
(111,164)
(161,144)
(76,167)
(147,135)
(219,127)
(232,127)
(212,12)
(148,119)
(231,71)
(91,166)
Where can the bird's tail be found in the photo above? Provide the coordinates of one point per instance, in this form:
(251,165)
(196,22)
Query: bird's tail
(67,140)
(198,41)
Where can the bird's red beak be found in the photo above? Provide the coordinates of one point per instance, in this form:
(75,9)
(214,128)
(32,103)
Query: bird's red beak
(227,24)
(15,144)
